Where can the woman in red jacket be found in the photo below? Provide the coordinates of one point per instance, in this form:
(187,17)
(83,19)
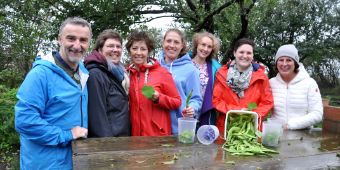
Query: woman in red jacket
(242,82)
(149,117)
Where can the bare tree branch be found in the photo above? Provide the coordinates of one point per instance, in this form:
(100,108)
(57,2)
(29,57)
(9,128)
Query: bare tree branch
(161,11)
(217,11)
(184,13)
(244,25)
(191,5)
(153,18)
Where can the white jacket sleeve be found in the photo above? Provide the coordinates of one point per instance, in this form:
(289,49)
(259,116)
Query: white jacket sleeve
(315,109)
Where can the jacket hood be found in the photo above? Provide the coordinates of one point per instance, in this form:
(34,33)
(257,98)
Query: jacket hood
(48,61)
(301,75)
(95,57)
(179,61)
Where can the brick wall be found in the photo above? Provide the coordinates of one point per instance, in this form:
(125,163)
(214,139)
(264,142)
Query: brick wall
(331,119)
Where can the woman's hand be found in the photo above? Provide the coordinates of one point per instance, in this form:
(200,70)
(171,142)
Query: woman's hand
(188,112)
(155,96)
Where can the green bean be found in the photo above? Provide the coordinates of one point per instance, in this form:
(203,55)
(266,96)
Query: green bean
(241,138)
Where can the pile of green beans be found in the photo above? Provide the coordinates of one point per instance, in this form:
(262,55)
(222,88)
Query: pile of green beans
(242,138)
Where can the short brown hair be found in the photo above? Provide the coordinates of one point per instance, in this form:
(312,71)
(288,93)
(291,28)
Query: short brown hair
(103,36)
(243,41)
(136,36)
(74,21)
(182,35)
(197,38)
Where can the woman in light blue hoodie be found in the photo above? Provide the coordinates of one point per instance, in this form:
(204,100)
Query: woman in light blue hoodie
(185,74)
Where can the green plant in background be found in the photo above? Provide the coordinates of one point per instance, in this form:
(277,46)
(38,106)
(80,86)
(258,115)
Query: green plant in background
(9,140)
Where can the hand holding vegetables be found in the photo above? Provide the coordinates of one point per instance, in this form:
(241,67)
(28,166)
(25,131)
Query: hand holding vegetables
(188,111)
(150,93)
(155,96)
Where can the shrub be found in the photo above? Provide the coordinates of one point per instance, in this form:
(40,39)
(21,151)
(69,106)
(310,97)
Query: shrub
(11,78)
(9,137)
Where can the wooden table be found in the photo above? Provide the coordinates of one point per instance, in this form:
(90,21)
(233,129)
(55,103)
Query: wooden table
(307,149)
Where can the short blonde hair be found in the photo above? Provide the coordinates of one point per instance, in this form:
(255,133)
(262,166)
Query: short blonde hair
(196,40)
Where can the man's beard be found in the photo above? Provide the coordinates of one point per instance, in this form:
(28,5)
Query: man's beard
(74,59)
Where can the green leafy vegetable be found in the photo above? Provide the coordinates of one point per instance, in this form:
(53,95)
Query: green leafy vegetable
(242,136)
(252,106)
(188,99)
(186,136)
(231,162)
(168,162)
(271,139)
(168,145)
(148,91)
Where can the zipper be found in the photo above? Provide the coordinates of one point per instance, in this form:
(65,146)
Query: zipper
(81,111)
(286,103)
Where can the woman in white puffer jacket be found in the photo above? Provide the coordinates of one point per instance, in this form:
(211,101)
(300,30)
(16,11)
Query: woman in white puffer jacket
(297,99)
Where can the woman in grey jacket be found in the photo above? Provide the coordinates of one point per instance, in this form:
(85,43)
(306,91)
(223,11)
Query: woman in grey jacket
(297,99)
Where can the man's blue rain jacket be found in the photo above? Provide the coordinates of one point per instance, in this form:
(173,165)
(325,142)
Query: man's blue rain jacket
(50,103)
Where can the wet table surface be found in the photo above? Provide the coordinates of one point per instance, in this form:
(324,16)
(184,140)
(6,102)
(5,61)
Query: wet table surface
(307,149)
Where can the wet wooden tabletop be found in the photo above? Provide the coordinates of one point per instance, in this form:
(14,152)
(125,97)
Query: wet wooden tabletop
(307,149)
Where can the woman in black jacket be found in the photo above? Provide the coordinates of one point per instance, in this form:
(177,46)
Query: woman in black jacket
(107,87)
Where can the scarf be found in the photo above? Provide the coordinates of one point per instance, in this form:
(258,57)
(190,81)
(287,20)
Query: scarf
(117,70)
(239,81)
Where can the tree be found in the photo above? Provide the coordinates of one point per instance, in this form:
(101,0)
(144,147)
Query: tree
(26,33)
(313,26)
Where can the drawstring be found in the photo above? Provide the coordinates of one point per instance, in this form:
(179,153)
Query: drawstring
(146,76)
(171,67)
(146,73)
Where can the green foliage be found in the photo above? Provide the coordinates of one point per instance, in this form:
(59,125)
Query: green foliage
(11,78)
(332,94)
(26,28)
(9,137)
(313,26)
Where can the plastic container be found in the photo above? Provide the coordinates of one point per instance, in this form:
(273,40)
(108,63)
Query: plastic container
(271,133)
(207,134)
(277,121)
(254,114)
(186,129)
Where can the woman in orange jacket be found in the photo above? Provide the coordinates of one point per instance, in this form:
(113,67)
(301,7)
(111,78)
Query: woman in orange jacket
(242,82)
(149,116)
